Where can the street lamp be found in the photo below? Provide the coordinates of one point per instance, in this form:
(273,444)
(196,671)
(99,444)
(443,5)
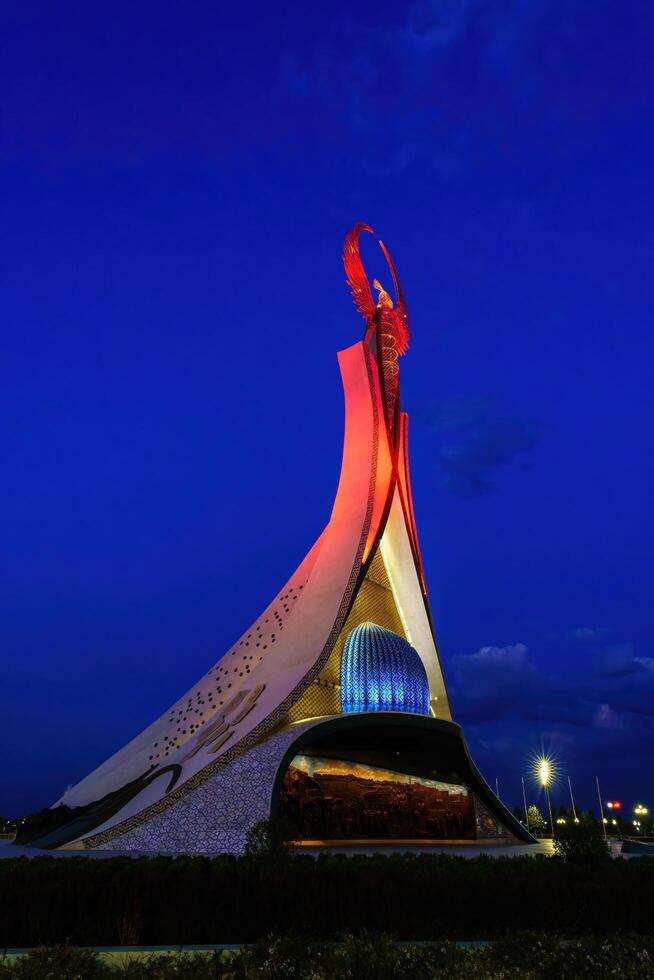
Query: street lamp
(544,770)
(572,800)
(639,811)
(544,773)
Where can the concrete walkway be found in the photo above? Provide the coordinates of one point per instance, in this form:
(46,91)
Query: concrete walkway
(469,850)
(495,849)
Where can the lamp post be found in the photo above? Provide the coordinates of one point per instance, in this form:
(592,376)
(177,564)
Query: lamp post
(524,802)
(639,811)
(572,800)
(599,797)
(544,777)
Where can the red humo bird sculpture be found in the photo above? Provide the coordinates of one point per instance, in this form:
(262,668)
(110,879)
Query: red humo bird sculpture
(386,322)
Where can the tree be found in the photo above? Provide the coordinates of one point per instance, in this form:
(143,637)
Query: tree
(587,817)
(270,838)
(536,819)
(582,844)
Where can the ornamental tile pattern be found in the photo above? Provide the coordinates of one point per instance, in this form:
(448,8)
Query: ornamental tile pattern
(217,815)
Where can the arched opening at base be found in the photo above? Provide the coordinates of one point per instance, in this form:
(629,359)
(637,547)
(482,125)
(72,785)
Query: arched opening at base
(386,776)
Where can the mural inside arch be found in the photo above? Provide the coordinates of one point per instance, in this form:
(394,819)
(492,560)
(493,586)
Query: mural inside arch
(338,799)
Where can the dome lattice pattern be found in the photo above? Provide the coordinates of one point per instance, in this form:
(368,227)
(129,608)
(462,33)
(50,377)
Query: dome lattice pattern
(381,671)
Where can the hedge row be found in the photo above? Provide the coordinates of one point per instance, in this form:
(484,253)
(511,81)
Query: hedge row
(522,957)
(185,900)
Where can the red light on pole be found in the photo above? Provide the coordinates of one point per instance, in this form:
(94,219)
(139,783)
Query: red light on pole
(614,805)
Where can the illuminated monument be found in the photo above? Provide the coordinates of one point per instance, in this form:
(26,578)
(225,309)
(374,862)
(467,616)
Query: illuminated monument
(331,709)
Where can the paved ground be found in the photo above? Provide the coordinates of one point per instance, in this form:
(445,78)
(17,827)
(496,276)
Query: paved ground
(462,850)
(8,850)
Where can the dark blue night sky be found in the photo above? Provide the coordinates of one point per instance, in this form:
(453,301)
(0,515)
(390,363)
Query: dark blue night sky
(176,180)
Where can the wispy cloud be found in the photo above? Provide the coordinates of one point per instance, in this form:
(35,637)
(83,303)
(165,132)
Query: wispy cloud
(476,442)
(507,682)
(589,634)
(606,717)
(617,660)
(490,682)
(415,87)
(432,25)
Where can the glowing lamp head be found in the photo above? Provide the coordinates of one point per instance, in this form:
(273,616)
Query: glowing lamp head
(544,771)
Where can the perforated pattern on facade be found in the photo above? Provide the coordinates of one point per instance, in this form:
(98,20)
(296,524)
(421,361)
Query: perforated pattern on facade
(374,602)
(219,683)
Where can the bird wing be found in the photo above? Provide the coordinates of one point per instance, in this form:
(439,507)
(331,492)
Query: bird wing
(400,314)
(355,273)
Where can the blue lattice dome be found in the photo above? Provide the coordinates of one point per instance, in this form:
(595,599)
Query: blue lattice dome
(380,671)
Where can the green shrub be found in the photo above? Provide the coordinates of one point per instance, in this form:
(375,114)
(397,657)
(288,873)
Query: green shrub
(269,838)
(184,966)
(357,957)
(56,963)
(582,844)
(187,900)
(543,956)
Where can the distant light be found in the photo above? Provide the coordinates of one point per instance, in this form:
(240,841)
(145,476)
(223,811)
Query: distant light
(641,810)
(544,770)
(614,805)
(561,820)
